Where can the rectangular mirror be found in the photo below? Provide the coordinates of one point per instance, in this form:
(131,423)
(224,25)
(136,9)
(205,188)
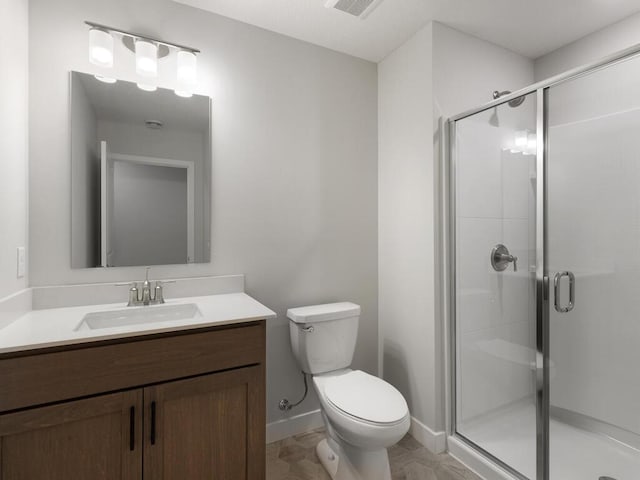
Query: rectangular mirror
(140,175)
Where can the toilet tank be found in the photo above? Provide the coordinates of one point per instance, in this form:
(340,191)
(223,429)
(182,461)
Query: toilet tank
(323,337)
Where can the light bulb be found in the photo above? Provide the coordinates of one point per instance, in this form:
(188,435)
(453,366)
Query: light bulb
(146,58)
(100,48)
(187,74)
(187,67)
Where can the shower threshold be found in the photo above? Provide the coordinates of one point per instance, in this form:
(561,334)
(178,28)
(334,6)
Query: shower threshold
(575,454)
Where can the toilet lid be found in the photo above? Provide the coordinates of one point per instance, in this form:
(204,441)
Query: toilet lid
(367,397)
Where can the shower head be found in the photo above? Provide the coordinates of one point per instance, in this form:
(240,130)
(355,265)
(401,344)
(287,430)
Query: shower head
(516,102)
(494,120)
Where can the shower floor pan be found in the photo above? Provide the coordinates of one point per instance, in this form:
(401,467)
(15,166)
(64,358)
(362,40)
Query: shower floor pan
(575,454)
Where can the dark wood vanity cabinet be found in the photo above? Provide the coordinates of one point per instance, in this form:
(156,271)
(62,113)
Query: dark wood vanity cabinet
(205,427)
(205,422)
(82,439)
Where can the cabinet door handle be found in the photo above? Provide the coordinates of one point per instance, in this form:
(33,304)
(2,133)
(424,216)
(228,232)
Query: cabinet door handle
(153,423)
(132,428)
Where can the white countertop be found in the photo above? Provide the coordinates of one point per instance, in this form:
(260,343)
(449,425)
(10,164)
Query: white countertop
(56,326)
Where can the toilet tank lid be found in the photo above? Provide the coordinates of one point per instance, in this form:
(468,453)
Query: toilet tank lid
(323,313)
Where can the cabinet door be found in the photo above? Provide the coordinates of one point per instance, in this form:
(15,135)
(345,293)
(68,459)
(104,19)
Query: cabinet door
(97,438)
(206,428)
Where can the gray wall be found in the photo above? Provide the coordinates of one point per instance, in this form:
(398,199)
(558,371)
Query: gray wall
(294,163)
(435,74)
(13,140)
(406,223)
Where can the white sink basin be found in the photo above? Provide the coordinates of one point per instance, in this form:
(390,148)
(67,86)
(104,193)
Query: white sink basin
(138,315)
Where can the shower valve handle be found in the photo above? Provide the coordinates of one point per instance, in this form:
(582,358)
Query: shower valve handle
(501,258)
(511,258)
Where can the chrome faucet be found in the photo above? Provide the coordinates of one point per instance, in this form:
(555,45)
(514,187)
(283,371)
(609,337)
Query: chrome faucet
(146,289)
(146,296)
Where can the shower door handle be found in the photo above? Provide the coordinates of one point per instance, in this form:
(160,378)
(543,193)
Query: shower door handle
(572,291)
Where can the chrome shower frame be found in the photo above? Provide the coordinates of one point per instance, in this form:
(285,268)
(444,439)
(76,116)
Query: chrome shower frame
(446,193)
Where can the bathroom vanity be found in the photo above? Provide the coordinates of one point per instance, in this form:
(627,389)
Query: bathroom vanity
(183,399)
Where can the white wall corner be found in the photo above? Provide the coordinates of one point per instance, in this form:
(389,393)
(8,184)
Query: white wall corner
(435,442)
(295,425)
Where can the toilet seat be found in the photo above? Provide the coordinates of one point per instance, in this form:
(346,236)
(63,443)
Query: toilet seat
(352,391)
(366,398)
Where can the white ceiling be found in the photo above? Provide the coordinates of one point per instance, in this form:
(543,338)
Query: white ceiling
(529,27)
(124,102)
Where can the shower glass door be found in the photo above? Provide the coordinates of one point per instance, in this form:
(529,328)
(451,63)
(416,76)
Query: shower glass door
(593,248)
(550,183)
(495,296)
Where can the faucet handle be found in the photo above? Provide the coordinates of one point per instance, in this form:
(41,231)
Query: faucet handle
(133,292)
(158,296)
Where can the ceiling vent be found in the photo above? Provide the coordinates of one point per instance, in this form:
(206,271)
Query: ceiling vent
(357,8)
(154,124)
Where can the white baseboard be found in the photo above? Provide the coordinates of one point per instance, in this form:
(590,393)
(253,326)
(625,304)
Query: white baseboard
(435,442)
(287,427)
(295,425)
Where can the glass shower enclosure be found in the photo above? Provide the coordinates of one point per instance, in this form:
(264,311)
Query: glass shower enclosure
(543,213)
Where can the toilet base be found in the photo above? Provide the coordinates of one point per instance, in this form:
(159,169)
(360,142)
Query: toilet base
(345,462)
(328,458)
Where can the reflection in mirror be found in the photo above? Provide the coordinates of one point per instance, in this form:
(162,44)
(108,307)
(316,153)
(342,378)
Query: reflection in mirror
(141,175)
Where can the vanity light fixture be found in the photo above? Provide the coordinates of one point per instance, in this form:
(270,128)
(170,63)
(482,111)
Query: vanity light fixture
(100,47)
(147,51)
(146,58)
(187,74)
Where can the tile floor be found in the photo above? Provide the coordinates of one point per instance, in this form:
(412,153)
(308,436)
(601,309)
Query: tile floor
(295,458)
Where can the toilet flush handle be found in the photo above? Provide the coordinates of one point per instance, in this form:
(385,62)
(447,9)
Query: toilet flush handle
(308,329)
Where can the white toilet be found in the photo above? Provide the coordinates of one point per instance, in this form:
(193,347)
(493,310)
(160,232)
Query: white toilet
(363,414)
